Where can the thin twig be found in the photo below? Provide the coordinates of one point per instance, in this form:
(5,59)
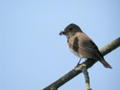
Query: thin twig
(86,75)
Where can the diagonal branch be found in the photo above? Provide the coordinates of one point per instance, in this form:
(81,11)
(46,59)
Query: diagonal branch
(105,50)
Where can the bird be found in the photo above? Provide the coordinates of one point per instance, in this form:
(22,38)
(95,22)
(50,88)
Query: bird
(81,45)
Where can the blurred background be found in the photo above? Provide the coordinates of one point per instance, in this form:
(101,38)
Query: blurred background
(33,55)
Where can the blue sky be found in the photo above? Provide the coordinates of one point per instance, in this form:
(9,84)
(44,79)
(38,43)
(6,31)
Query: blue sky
(33,55)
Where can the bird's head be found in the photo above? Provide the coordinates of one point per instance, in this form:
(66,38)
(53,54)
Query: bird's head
(70,30)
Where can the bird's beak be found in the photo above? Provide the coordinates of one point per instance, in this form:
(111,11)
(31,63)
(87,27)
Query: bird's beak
(62,33)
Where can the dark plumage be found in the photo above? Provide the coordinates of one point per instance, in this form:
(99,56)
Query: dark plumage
(75,45)
(81,45)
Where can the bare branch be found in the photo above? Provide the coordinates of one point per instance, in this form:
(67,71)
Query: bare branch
(86,75)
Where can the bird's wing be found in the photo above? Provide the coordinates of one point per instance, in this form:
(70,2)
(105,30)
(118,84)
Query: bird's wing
(89,44)
(88,47)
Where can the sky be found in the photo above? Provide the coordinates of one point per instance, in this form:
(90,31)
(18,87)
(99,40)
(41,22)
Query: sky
(33,55)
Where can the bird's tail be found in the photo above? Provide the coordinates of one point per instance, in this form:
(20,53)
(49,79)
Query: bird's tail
(105,64)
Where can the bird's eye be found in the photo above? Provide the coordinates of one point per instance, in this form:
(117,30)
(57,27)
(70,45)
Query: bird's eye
(70,29)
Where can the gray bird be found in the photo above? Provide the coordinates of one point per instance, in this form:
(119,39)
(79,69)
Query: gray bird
(81,45)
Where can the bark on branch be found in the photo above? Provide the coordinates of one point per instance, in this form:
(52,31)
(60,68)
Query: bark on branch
(105,50)
(86,75)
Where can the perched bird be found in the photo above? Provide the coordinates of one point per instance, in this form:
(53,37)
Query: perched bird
(81,45)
